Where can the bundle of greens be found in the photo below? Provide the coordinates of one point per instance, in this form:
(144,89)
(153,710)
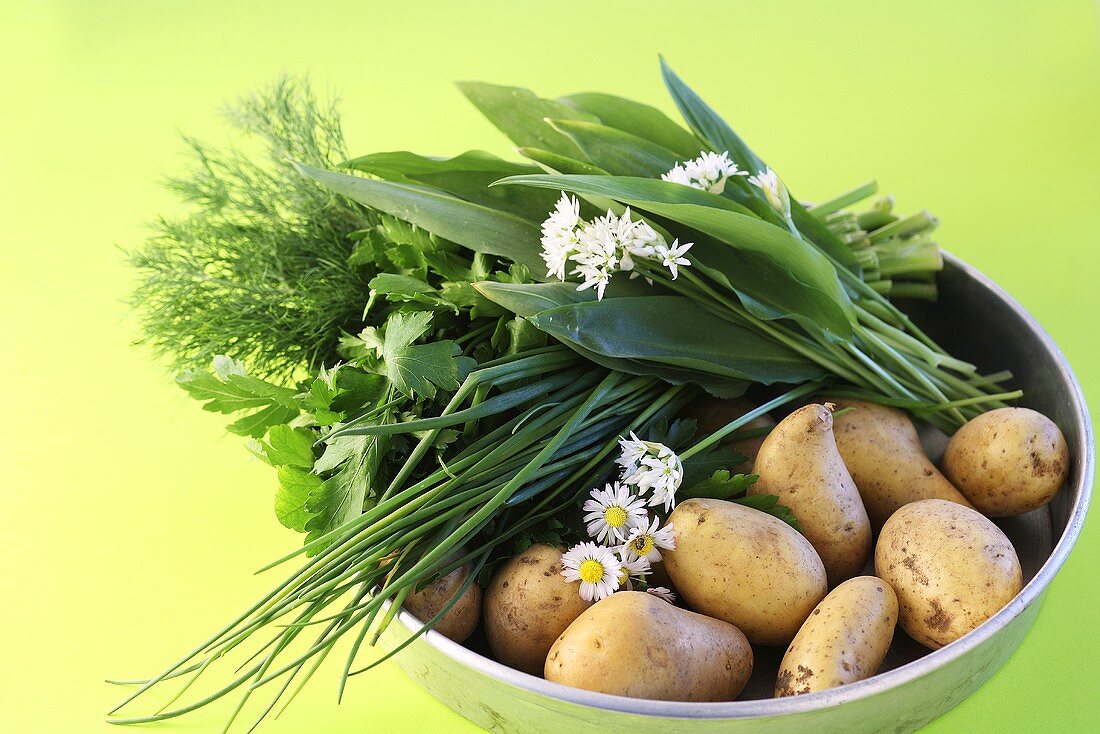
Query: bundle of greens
(385,331)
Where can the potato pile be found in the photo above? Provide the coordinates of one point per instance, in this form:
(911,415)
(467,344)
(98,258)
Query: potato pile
(940,566)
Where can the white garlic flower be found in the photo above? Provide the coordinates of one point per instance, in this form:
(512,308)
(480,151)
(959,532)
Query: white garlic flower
(774,191)
(708,172)
(602,247)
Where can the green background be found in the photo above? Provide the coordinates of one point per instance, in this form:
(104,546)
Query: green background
(130,521)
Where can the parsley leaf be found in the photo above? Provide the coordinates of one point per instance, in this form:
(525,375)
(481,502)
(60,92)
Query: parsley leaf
(343,496)
(418,370)
(229,390)
(295,487)
(286,446)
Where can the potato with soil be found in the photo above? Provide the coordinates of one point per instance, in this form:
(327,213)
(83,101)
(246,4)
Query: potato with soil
(710,414)
(844,640)
(883,453)
(950,566)
(461,620)
(800,464)
(1008,461)
(634,644)
(527,605)
(744,567)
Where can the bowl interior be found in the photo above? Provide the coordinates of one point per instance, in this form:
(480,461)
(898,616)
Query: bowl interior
(977,321)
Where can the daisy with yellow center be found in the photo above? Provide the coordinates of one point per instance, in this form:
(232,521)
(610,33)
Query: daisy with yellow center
(633,569)
(648,541)
(613,512)
(596,568)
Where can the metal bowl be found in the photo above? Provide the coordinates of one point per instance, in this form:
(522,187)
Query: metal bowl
(976,320)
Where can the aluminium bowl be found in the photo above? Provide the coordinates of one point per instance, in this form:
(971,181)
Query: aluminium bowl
(974,319)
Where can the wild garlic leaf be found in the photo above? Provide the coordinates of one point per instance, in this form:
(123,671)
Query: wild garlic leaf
(295,486)
(286,446)
(418,369)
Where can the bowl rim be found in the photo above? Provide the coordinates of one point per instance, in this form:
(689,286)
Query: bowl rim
(876,684)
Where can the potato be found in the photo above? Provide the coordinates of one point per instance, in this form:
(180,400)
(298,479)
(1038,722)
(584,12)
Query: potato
(884,455)
(1008,461)
(800,464)
(951,567)
(710,414)
(634,644)
(527,605)
(744,567)
(844,639)
(460,621)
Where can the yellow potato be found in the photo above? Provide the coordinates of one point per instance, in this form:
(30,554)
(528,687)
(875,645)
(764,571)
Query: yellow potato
(744,567)
(1008,461)
(800,464)
(460,621)
(951,567)
(884,455)
(634,644)
(527,605)
(844,640)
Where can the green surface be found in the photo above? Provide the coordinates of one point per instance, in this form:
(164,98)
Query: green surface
(132,523)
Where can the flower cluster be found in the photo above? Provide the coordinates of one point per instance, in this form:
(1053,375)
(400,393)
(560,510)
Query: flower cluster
(599,248)
(707,172)
(627,539)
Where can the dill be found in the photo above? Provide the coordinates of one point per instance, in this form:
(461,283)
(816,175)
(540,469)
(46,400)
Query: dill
(259,268)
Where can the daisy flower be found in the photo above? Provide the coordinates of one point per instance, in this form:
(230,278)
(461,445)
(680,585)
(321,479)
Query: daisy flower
(774,191)
(596,567)
(662,593)
(636,568)
(647,542)
(612,512)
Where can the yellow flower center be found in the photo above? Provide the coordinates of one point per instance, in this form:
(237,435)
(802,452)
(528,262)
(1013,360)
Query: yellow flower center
(591,571)
(642,545)
(615,516)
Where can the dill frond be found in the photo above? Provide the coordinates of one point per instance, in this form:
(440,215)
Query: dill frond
(259,270)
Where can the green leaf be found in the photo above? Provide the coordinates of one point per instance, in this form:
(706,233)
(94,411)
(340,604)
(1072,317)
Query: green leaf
(637,119)
(708,125)
(521,115)
(672,330)
(470,225)
(560,163)
(229,390)
(343,496)
(295,487)
(615,151)
(776,274)
(417,370)
(721,485)
(286,446)
(466,176)
(529,299)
